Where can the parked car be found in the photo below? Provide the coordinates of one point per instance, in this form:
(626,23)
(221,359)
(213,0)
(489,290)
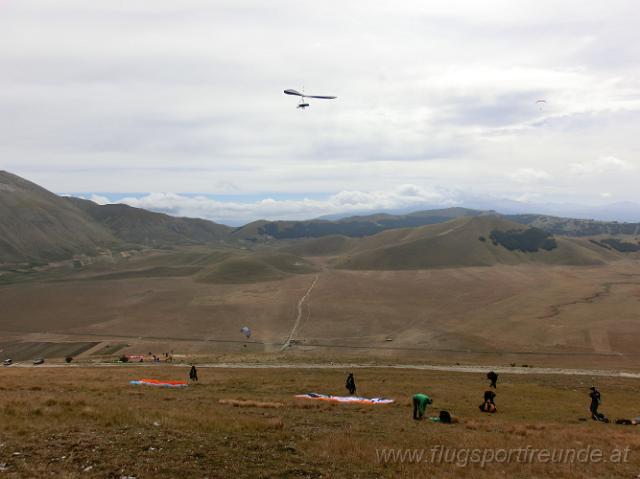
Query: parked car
(38,361)
(7,362)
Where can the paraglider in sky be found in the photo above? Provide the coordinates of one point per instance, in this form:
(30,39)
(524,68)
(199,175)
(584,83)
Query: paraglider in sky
(302,96)
(246,331)
(541,104)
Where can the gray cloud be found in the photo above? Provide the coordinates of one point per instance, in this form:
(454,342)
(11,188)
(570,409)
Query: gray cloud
(187,97)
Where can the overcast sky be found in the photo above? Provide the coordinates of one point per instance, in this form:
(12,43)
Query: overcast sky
(178,106)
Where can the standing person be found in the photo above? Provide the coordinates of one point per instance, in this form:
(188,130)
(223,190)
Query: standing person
(493,377)
(420,403)
(193,374)
(595,402)
(351,384)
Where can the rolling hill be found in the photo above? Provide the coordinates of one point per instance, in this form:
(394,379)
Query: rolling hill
(576,227)
(39,226)
(362,226)
(202,264)
(325,246)
(142,227)
(353,226)
(256,267)
(469,241)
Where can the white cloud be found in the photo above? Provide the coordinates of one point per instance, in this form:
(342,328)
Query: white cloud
(528,197)
(186,96)
(233,212)
(101,200)
(529,175)
(600,165)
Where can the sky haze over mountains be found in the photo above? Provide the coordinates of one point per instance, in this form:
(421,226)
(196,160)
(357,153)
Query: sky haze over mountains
(182,102)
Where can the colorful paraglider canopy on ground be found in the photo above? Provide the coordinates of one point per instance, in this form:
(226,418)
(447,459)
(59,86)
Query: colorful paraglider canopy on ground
(157,383)
(345,399)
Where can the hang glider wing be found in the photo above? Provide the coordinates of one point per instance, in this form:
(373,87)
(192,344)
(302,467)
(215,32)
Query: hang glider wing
(321,96)
(297,93)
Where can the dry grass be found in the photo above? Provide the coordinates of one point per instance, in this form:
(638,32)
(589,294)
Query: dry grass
(485,315)
(88,422)
(245,403)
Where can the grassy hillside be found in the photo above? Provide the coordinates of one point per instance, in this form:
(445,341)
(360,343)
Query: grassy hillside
(135,225)
(326,246)
(98,426)
(361,226)
(576,227)
(467,241)
(251,268)
(353,226)
(250,232)
(200,263)
(39,226)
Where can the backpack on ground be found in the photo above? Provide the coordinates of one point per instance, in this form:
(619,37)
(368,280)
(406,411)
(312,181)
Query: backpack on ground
(445,417)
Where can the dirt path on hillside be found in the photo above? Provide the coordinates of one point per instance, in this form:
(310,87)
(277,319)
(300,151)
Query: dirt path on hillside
(287,343)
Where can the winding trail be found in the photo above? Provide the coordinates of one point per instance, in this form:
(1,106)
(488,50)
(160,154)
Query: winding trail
(287,343)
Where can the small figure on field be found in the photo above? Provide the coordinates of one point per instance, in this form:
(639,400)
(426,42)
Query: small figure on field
(493,377)
(595,403)
(193,374)
(420,403)
(489,404)
(351,384)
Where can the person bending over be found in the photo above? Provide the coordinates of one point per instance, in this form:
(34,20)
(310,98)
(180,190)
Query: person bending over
(420,403)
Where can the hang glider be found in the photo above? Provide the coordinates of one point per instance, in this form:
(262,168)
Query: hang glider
(302,96)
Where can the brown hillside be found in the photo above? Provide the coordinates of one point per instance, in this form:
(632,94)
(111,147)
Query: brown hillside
(462,242)
(136,225)
(38,226)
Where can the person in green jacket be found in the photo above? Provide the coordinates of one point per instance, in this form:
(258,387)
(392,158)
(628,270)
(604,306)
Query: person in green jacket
(420,402)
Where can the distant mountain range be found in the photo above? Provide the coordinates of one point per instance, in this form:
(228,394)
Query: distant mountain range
(621,211)
(37,226)
(358,226)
